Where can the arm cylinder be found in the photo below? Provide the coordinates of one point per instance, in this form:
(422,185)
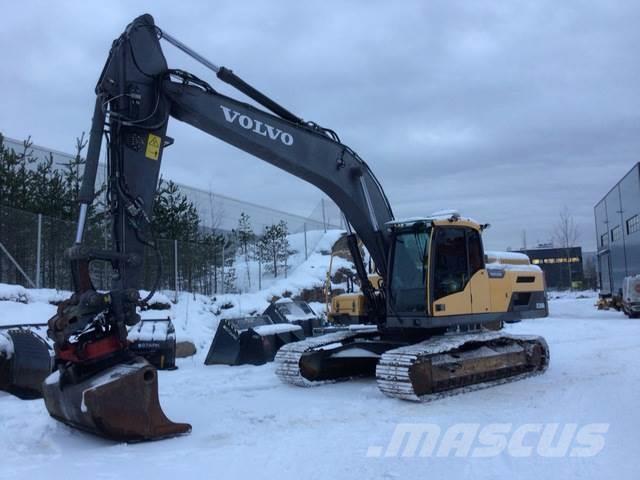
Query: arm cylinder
(85,196)
(93,155)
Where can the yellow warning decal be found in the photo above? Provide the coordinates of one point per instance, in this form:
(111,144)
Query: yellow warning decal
(153,147)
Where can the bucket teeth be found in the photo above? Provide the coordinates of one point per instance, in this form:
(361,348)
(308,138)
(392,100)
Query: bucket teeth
(119,403)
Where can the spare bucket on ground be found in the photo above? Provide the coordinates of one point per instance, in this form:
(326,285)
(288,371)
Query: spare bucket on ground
(296,312)
(250,340)
(120,403)
(25,361)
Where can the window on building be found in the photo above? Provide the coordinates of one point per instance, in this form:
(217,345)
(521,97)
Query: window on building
(615,234)
(633,224)
(604,240)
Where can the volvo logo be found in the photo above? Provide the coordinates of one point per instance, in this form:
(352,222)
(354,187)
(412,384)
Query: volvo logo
(256,126)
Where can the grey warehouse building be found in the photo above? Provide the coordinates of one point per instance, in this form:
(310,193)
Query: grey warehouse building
(618,233)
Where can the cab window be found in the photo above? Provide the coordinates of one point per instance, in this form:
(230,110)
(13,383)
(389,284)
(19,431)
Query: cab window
(476,256)
(451,272)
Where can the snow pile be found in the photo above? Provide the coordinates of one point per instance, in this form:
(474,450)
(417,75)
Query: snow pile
(318,243)
(572,295)
(13,293)
(18,293)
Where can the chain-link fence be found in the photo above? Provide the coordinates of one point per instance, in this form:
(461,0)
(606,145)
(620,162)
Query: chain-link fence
(32,246)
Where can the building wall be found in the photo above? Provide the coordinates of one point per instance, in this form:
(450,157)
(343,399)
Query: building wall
(617,218)
(555,265)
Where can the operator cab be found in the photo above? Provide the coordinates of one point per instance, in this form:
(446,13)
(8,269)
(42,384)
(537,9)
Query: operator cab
(432,263)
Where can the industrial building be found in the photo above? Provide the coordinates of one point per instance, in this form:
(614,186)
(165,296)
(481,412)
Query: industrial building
(618,233)
(562,267)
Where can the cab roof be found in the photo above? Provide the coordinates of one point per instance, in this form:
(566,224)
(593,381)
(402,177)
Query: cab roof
(445,217)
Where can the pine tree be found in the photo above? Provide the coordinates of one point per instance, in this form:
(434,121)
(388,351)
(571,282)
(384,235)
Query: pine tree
(284,247)
(174,216)
(274,247)
(230,277)
(246,239)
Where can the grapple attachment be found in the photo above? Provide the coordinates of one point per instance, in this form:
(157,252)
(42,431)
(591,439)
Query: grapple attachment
(120,403)
(253,340)
(25,361)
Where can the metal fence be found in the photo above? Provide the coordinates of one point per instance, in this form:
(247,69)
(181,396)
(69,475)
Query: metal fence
(32,250)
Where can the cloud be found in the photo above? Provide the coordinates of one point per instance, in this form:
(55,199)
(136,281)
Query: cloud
(506,110)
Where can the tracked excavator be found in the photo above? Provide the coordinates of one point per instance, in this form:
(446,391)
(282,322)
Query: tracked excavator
(424,329)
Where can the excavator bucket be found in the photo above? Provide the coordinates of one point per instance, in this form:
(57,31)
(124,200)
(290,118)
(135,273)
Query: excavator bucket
(120,403)
(252,340)
(25,361)
(297,312)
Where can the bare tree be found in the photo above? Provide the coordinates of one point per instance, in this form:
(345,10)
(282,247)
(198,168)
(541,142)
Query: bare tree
(566,235)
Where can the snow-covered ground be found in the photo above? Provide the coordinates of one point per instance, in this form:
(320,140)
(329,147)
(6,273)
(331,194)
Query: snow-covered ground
(248,424)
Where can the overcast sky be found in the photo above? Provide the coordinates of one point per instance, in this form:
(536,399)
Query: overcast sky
(505,110)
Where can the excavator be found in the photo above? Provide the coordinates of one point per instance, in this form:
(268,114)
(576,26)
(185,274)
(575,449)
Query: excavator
(423,329)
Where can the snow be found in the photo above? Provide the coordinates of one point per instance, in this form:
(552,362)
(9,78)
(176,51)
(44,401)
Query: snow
(149,331)
(13,293)
(247,270)
(447,213)
(506,257)
(247,424)
(517,268)
(276,328)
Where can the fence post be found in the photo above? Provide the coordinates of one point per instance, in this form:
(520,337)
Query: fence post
(39,250)
(175,268)
(224,241)
(324,217)
(259,268)
(306,255)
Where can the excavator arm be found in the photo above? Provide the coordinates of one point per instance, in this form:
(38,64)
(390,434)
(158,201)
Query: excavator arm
(138,93)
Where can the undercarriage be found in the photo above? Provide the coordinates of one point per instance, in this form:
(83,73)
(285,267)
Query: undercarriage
(438,366)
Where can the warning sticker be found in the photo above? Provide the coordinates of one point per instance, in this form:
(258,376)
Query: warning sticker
(153,147)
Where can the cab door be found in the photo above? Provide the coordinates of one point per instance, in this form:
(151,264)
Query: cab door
(450,273)
(479,282)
